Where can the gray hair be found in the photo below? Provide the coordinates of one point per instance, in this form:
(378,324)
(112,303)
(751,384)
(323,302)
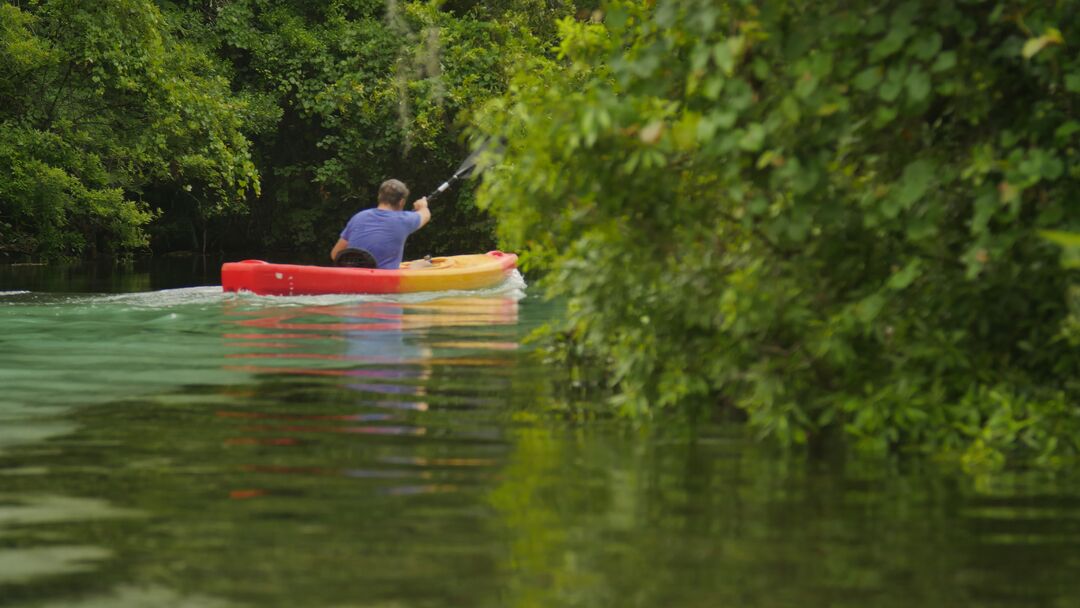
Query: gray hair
(393,192)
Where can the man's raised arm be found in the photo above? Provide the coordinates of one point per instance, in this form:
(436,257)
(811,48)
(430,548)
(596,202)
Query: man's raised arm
(420,206)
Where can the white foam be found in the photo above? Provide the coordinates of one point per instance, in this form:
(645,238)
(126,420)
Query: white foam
(513,288)
(165,298)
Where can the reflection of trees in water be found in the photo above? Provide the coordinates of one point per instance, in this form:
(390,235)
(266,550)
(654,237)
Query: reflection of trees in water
(606,517)
(316,483)
(313,485)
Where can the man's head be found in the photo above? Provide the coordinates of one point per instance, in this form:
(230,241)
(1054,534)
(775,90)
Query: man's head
(393,192)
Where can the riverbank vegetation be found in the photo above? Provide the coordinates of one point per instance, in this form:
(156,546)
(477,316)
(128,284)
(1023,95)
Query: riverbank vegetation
(825,215)
(851,219)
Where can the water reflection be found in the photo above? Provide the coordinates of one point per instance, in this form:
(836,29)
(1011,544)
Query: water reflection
(21,511)
(385,351)
(382,352)
(317,410)
(256,452)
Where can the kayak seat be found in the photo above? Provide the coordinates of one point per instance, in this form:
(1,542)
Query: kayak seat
(355,258)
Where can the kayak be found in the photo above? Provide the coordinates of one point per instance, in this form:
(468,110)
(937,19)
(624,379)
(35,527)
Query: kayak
(456,272)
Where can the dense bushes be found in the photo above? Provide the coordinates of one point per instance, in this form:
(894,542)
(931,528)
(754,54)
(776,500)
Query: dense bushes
(99,102)
(826,214)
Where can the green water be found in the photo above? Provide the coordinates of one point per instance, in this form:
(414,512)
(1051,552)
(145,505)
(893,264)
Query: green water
(183,447)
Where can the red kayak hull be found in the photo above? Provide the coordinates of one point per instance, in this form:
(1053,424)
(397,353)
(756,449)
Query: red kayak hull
(464,272)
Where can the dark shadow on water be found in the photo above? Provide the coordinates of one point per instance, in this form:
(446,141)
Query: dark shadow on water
(112,276)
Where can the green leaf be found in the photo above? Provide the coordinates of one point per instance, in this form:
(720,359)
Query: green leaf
(1051,167)
(616,17)
(767,158)
(891,43)
(753,138)
(757,206)
(714,84)
(914,182)
(944,61)
(821,65)
(868,309)
(1034,45)
(789,107)
(1070,241)
(884,115)
(867,79)
(1072,82)
(918,85)
(894,83)
(724,58)
(922,227)
(806,85)
(685,131)
(986,205)
(1065,239)
(926,46)
(1066,130)
(906,276)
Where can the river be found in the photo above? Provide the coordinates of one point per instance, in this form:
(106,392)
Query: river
(165,444)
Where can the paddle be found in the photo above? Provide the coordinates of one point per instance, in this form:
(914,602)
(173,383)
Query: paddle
(465,169)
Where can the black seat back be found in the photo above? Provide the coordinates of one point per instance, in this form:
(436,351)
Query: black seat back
(355,258)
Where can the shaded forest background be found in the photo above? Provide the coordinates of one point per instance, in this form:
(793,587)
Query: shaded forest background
(241,125)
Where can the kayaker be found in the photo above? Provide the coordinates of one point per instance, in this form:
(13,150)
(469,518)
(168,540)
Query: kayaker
(382,231)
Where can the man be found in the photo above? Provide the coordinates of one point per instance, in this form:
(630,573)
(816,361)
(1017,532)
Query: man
(382,231)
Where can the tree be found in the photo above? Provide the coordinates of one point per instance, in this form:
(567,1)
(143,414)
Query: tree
(98,103)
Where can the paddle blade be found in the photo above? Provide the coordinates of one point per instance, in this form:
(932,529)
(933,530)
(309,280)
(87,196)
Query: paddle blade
(467,166)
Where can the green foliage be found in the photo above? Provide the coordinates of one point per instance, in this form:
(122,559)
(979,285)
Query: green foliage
(826,214)
(189,110)
(59,199)
(1070,243)
(1070,259)
(99,102)
(364,91)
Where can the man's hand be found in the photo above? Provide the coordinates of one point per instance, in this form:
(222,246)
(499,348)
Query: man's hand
(419,204)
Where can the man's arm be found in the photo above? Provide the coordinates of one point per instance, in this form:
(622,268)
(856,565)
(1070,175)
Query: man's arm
(341,245)
(420,206)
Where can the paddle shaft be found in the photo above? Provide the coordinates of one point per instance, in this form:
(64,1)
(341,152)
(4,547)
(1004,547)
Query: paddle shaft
(443,188)
(463,171)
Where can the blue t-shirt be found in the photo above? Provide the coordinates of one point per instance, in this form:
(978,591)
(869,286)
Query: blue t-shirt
(383,233)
